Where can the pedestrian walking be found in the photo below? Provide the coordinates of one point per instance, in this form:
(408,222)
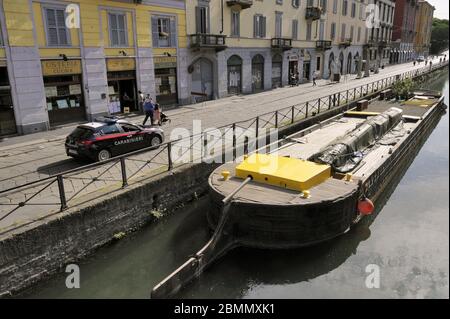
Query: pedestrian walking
(149,109)
(314,79)
(414,63)
(157,114)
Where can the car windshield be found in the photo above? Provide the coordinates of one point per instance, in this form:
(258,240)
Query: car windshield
(82,133)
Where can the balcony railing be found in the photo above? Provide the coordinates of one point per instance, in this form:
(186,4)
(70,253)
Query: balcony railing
(208,41)
(345,42)
(313,13)
(323,45)
(281,43)
(244,4)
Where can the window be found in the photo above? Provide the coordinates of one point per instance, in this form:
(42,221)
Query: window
(333,31)
(57,33)
(164,31)
(295,29)
(353,9)
(344,7)
(308,31)
(323,4)
(117,30)
(343,32)
(310,3)
(351,32)
(129,127)
(318,63)
(109,129)
(278,24)
(202,19)
(335,6)
(296,3)
(362,11)
(359,34)
(235,24)
(279,1)
(259,26)
(1,37)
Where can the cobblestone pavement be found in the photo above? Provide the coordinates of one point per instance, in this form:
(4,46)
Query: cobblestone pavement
(28,158)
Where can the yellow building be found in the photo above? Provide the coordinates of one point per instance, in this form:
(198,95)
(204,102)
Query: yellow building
(74,60)
(424,23)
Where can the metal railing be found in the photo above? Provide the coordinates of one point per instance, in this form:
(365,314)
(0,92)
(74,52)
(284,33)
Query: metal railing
(68,188)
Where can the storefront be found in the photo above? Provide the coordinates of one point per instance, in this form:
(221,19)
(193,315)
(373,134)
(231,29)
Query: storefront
(234,66)
(122,88)
(277,71)
(63,91)
(166,80)
(7,120)
(293,69)
(258,73)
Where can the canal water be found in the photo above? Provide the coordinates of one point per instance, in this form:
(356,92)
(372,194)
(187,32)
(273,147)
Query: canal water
(408,242)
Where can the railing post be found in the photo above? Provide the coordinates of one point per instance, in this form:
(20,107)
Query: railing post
(307,109)
(354,94)
(169,151)
(292,114)
(339,98)
(257,131)
(234,141)
(276,119)
(329,102)
(62,193)
(123,169)
(346,102)
(318,107)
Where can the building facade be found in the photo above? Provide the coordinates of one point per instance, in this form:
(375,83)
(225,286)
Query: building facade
(424,24)
(346,30)
(73,61)
(404,31)
(378,47)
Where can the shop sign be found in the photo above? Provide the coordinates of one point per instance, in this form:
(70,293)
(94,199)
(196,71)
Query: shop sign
(60,67)
(119,64)
(165,62)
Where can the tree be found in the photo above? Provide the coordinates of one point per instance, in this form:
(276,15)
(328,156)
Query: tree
(439,36)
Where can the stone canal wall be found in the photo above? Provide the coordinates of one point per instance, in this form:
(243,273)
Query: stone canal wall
(37,253)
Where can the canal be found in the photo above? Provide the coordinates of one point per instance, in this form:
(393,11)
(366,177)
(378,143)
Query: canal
(408,241)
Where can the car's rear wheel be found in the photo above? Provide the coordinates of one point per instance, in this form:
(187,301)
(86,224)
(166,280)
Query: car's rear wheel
(103,155)
(155,141)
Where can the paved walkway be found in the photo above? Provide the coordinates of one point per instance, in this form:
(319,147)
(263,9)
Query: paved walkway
(32,157)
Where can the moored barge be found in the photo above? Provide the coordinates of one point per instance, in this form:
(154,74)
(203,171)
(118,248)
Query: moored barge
(316,185)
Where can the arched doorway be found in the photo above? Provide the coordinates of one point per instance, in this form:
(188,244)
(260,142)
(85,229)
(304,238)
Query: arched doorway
(349,63)
(234,65)
(331,65)
(277,70)
(258,73)
(202,80)
(341,63)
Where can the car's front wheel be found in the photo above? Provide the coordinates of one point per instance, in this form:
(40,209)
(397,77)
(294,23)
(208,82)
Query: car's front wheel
(103,155)
(155,141)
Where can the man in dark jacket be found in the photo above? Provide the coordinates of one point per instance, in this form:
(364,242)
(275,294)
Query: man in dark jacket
(149,108)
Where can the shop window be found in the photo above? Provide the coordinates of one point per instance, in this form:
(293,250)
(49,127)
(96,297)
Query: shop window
(57,33)
(118,30)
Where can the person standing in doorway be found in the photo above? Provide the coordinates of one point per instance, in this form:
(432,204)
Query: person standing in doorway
(149,109)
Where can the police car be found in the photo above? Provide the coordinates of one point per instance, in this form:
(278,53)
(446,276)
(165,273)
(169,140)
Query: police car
(109,137)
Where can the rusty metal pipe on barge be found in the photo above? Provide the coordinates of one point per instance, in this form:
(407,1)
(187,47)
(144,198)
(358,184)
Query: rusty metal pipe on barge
(218,245)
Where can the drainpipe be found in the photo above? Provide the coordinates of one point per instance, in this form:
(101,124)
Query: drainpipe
(221,6)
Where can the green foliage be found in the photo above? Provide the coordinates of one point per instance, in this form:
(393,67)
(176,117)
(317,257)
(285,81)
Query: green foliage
(403,89)
(439,36)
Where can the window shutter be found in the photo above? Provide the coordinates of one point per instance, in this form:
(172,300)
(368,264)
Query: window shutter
(173,32)
(264,26)
(155,32)
(61,25)
(52,32)
(198,20)
(255,26)
(121,22)
(113,30)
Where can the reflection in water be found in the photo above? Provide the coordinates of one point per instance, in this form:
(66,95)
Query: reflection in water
(408,240)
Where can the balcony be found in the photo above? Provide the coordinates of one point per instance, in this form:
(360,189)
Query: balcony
(283,44)
(208,41)
(344,43)
(323,45)
(313,13)
(244,4)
